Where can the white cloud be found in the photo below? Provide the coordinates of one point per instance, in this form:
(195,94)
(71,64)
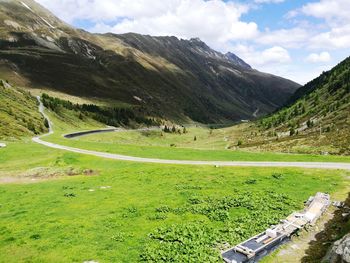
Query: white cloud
(275,54)
(289,38)
(106,10)
(334,31)
(317,58)
(213,21)
(331,32)
(269,1)
(333,11)
(336,38)
(269,56)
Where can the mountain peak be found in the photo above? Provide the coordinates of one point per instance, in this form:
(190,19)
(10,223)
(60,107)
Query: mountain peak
(198,42)
(237,60)
(196,39)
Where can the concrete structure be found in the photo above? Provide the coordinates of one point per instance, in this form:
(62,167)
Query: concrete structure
(260,245)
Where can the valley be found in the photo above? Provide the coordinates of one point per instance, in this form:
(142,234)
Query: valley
(129,147)
(95,198)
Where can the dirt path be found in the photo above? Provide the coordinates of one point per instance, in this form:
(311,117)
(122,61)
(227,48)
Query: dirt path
(317,165)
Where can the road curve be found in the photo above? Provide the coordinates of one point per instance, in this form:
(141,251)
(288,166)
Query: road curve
(317,165)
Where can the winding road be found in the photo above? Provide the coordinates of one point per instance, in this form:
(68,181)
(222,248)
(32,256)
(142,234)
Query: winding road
(38,139)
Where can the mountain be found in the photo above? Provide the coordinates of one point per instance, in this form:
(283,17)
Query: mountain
(165,77)
(317,119)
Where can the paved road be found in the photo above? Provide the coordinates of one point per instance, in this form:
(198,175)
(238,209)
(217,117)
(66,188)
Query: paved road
(320,165)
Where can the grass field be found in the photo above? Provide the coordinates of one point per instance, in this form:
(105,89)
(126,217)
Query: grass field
(209,144)
(57,206)
(108,214)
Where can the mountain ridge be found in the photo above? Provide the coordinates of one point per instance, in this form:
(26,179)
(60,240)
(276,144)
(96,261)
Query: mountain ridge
(240,62)
(167,77)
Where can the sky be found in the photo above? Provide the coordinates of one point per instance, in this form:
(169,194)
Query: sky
(296,39)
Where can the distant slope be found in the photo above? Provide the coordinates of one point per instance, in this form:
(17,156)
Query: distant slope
(180,80)
(19,114)
(317,120)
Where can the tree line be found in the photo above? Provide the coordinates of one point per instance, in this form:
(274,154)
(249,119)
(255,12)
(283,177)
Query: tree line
(112,116)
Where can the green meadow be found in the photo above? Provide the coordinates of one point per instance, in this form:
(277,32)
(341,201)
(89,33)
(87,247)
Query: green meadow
(208,146)
(57,206)
(88,208)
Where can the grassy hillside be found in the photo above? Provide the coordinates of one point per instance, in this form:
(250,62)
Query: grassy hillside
(170,78)
(317,119)
(319,115)
(19,114)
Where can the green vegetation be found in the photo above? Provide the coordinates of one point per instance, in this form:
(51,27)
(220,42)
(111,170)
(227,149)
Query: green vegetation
(121,211)
(209,145)
(19,114)
(109,116)
(316,120)
(320,114)
(236,218)
(323,98)
(57,206)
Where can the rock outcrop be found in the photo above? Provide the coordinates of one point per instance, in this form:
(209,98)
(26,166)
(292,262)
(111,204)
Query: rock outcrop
(340,251)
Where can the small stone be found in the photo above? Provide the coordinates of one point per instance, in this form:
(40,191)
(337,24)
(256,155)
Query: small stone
(345,214)
(295,247)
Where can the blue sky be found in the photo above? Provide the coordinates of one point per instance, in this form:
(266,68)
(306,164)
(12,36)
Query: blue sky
(297,39)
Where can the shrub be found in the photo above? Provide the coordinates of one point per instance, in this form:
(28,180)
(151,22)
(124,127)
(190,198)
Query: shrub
(46,123)
(291,131)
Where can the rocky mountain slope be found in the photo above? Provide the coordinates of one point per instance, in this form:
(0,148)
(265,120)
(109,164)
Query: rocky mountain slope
(317,119)
(166,77)
(238,61)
